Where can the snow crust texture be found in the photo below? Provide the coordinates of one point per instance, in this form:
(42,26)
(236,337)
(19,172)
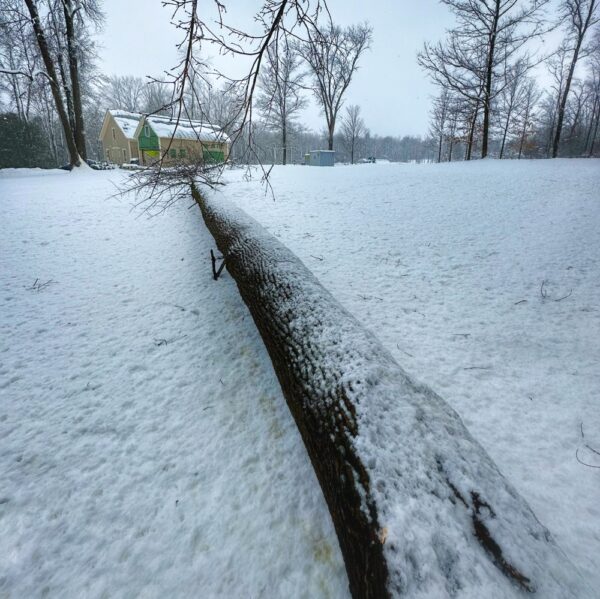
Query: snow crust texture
(451,525)
(145,447)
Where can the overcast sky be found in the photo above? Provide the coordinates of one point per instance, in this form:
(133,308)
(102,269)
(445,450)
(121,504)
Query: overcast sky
(392,91)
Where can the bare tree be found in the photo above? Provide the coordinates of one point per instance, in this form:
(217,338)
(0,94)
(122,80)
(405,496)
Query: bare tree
(125,92)
(192,90)
(579,16)
(456,114)
(439,119)
(280,99)
(58,30)
(19,62)
(509,100)
(488,36)
(353,128)
(71,10)
(524,120)
(332,54)
(44,48)
(593,107)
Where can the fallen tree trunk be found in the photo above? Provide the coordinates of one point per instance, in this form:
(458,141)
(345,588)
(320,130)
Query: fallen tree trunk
(419,507)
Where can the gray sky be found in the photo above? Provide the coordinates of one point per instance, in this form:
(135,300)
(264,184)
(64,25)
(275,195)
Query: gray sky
(392,91)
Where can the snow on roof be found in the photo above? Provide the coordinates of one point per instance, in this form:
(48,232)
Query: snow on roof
(127,121)
(165,126)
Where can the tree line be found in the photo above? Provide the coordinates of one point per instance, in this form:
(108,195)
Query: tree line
(489,100)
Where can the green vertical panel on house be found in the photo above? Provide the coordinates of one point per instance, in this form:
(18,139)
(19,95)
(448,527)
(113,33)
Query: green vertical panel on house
(147,139)
(213,156)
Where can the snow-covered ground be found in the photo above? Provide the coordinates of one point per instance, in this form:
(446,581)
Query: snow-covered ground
(445,263)
(145,447)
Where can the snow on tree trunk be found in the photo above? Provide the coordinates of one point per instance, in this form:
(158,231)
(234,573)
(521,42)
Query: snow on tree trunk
(419,507)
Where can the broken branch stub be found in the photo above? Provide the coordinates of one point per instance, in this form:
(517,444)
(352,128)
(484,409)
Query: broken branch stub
(419,508)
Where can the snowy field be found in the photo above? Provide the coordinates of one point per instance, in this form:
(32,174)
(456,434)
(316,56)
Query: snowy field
(145,447)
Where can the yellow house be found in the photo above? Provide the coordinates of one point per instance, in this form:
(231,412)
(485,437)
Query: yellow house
(117,135)
(163,137)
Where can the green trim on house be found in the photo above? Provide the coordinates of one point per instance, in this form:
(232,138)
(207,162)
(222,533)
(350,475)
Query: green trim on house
(213,156)
(149,141)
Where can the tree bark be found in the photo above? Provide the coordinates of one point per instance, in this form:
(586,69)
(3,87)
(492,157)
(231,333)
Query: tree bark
(419,507)
(54,85)
(563,102)
(79,131)
(284,141)
(489,72)
(330,132)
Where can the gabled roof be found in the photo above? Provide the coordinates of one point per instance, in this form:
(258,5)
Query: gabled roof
(126,121)
(167,127)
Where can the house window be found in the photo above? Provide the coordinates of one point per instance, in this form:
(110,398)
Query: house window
(108,155)
(124,156)
(114,134)
(173,153)
(181,153)
(146,131)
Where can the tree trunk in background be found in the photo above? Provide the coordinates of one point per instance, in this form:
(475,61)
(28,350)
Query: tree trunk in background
(330,133)
(591,125)
(505,132)
(563,104)
(284,142)
(582,29)
(404,480)
(67,93)
(79,132)
(594,135)
(472,132)
(523,132)
(54,84)
(489,73)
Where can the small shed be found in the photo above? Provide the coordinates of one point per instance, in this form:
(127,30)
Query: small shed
(321,158)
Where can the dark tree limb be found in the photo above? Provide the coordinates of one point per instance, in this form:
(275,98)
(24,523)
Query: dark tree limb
(54,85)
(419,507)
(216,271)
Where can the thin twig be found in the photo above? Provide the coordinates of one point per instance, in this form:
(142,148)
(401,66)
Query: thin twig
(587,447)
